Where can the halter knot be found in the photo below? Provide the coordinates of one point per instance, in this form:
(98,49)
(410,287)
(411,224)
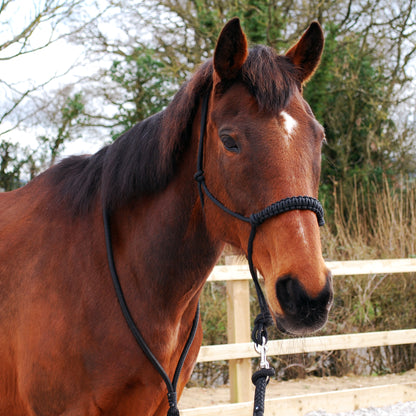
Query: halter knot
(173,411)
(173,404)
(261,323)
(199,176)
(263,373)
(255,219)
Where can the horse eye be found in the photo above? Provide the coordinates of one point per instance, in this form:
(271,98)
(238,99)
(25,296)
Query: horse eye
(230,144)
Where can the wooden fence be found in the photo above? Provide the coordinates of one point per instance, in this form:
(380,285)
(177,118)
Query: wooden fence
(240,350)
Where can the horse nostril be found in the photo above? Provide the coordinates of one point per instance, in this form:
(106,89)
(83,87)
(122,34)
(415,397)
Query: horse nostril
(288,293)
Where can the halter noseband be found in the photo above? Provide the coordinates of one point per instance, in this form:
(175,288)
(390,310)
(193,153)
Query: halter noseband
(264,319)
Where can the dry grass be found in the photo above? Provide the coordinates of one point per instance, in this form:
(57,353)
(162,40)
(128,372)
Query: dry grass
(375,222)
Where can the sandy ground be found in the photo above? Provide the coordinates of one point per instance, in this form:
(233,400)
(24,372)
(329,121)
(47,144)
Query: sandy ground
(197,397)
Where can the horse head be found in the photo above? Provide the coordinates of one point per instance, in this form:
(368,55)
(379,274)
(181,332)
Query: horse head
(263,144)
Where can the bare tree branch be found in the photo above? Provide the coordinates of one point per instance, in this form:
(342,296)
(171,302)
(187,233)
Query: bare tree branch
(57,20)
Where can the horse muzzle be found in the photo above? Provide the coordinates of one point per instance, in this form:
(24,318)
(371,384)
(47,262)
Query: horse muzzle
(302,314)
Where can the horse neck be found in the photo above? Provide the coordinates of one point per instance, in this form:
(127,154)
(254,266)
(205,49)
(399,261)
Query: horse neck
(162,247)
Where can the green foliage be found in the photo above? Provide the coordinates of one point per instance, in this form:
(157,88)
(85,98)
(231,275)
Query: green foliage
(68,117)
(147,87)
(348,95)
(10,166)
(18,165)
(214,325)
(214,315)
(263,22)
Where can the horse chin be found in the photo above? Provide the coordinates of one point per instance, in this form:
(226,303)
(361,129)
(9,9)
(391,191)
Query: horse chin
(298,328)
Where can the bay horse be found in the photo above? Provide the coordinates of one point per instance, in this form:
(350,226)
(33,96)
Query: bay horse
(65,347)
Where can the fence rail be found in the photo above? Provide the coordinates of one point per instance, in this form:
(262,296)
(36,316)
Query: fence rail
(240,351)
(334,401)
(338,268)
(305,345)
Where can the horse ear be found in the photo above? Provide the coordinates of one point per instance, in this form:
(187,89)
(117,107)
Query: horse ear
(306,53)
(231,50)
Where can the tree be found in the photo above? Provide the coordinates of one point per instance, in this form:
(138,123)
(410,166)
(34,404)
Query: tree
(64,121)
(28,29)
(10,167)
(147,86)
(42,24)
(363,80)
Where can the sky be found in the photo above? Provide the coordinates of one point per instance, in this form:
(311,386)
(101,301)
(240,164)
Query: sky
(35,68)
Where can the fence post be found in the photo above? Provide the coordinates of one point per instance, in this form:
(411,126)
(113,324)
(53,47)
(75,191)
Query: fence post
(238,330)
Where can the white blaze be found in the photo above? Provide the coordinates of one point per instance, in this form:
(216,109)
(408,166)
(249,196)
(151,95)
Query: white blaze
(289,123)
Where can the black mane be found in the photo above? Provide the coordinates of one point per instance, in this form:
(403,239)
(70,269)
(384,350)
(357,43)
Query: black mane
(144,159)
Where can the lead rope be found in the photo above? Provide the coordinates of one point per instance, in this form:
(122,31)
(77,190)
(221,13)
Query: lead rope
(259,334)
(170,385)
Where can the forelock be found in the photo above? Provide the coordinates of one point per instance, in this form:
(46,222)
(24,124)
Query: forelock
(272,79)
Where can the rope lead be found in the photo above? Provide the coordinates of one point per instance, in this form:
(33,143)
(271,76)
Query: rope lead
(262,376)
(260,379)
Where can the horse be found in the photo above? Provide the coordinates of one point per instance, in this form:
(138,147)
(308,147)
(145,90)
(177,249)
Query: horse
(65,346)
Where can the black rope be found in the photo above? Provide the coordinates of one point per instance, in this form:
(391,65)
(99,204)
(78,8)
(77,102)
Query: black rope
(222,206)
(264,318)
(170,385)
(289,204)
(173,404)
(199,175)
(261,379)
